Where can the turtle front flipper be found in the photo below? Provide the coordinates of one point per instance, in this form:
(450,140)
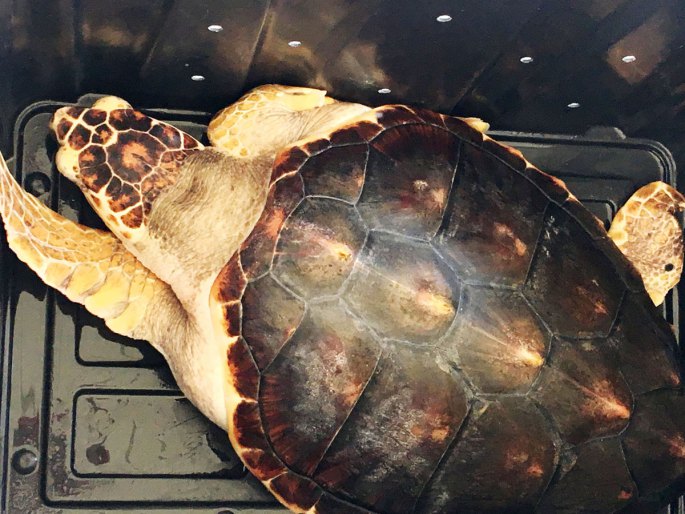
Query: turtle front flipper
(648,231)
(88,266)
(93,268)
(121,159)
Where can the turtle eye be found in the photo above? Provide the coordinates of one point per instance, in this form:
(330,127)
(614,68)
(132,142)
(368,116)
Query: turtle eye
(669,267)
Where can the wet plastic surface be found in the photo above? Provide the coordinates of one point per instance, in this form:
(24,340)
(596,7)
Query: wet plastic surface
(94,421)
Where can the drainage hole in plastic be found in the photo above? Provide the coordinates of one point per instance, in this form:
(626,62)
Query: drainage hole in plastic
(25,461)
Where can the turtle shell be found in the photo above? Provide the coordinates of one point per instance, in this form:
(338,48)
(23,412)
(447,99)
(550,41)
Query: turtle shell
(421,321)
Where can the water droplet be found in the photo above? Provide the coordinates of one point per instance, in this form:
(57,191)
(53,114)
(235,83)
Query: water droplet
(197,78)
(384,90)
(573,105)
(444,18)
(629,58)
(215,28)
(24,461)
(295,44)
(526,60)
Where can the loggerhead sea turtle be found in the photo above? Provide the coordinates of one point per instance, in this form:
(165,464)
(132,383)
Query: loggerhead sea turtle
(387,310)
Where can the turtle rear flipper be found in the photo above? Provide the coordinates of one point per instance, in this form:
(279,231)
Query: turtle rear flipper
(648,232)
(271,117)
(88,266)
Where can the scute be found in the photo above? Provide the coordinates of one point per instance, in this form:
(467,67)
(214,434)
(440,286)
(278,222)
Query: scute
(648,355)
(478,345)
(258,249)
(318,246)
(337,173)
(572,284)
(296,490)
(314,382)
(592,474)
(407,186)
(654,442)
(486,237)
(271,314)
(388,448)
(503,461)
(498,341)
(584,391)
(402,289)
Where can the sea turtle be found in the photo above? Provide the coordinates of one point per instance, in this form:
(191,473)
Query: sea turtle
(388,311)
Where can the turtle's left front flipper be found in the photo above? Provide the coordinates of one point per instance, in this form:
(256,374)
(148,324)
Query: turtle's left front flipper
(648,231)
(89,266)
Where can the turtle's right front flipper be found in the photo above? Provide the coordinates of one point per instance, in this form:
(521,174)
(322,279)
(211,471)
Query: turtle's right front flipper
(89,266)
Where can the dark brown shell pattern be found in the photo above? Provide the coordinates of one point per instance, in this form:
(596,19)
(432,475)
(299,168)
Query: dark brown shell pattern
(429,324)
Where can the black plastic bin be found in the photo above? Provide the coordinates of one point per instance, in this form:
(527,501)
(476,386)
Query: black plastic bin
(92,422)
